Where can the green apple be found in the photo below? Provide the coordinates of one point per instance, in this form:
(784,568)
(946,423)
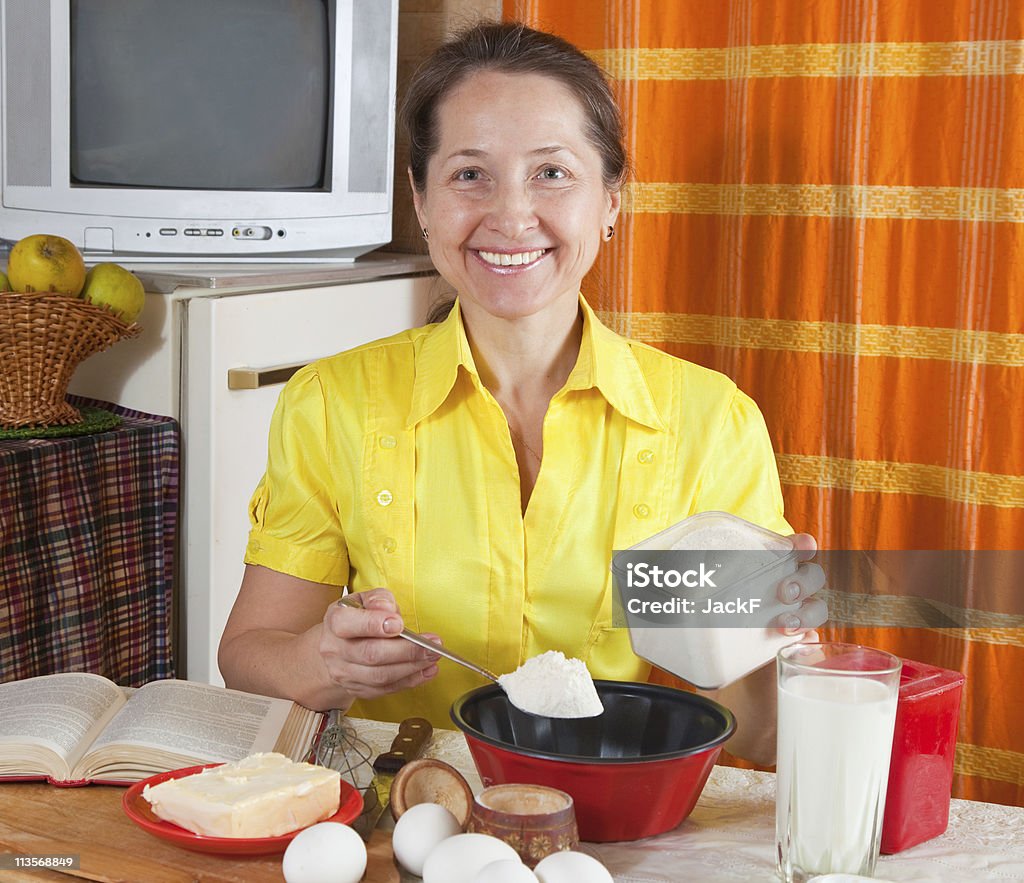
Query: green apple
(117,289)
(46,263)
(5,283)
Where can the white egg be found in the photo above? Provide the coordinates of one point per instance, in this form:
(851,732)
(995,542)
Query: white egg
(571,867)
(325,853)
(505,870)
(418,830)
(458,859)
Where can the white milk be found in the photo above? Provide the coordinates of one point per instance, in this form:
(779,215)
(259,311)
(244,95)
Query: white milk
(835,740)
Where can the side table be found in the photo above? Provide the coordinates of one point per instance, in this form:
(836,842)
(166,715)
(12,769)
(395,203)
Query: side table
(88,529)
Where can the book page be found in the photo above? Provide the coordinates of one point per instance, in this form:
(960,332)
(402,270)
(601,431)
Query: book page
(197,721)
(61,712)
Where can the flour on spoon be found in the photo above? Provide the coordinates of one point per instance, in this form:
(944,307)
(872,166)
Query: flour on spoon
(552,686)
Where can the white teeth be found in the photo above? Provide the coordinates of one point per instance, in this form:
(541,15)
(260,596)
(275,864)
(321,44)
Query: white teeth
(503,259)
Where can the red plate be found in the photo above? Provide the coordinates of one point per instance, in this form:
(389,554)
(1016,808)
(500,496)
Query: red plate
(140,812)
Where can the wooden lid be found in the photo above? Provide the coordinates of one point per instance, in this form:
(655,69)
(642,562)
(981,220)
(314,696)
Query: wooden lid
(431,781)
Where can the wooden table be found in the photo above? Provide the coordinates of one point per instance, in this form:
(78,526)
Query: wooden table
(729,837)
(41,819)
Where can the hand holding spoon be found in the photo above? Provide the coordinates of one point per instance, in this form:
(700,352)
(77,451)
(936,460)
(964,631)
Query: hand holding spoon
(578,699)
(420,641)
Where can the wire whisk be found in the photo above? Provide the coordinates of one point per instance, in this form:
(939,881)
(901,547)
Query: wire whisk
(339,748)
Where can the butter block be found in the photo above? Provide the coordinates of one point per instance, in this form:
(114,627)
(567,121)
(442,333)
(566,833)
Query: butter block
(263,795)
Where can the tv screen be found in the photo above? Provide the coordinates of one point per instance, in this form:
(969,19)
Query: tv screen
(200,94)
(210,130)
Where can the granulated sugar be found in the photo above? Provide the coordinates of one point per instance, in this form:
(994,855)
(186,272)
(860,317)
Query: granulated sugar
(728,537)
(553,686)
(750,562)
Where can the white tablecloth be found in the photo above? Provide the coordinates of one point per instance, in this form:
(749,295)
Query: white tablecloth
(730,835)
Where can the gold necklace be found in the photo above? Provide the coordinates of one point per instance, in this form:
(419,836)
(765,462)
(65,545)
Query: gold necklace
(522,441)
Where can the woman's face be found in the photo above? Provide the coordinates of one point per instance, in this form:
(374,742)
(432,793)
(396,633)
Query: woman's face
(514,203)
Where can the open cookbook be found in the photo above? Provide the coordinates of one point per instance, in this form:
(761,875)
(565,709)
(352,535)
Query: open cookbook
(74,729)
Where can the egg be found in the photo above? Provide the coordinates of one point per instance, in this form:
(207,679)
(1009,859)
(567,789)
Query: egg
(458,859)
(325,853)
(571,867)
(418,830)
(505,870)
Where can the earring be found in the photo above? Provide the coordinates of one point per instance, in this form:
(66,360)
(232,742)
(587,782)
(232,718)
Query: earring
(426,235)
(610,233)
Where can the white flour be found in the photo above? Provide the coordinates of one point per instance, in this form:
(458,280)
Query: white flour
(553,686)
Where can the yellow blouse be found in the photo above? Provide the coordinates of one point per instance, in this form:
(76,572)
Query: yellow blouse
(392,465)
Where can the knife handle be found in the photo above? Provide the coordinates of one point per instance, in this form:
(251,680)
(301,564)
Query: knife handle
(413,734)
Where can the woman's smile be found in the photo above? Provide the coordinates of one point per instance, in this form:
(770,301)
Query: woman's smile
(511,261)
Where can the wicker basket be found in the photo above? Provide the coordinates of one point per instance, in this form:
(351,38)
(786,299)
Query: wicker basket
(44,336)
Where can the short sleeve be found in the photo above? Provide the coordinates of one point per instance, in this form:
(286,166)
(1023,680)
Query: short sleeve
(741,475)
(295,527)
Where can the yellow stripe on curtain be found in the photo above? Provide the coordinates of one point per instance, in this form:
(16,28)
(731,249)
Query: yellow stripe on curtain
(828,206)
(830,201)
(898,341)
(983,58)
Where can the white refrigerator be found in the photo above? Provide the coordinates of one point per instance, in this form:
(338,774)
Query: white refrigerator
(200,327)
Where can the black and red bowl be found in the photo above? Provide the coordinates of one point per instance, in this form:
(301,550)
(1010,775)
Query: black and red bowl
(634,771)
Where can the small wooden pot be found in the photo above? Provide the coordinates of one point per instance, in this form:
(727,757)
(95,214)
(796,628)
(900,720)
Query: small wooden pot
(534,820)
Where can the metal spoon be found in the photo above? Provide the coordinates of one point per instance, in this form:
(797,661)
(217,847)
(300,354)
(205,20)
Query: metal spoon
(420,641)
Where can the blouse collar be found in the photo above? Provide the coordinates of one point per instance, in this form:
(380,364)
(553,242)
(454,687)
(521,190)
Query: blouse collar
(606,362)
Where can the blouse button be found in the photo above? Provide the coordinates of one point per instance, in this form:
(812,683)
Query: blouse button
(388,442)
(384,498)
(390,545)
(645,456)
(641,510)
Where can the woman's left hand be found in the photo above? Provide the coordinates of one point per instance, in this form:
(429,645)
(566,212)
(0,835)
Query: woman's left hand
(800,588)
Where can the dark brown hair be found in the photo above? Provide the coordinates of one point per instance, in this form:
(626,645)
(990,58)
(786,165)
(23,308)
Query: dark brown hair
(513,48)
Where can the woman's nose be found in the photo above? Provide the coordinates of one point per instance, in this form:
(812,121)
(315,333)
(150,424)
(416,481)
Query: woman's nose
(512,211)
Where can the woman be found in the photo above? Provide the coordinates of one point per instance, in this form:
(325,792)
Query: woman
(471,478)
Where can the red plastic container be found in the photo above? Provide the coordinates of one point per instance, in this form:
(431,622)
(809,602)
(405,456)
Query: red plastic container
(921,769)
(634,771)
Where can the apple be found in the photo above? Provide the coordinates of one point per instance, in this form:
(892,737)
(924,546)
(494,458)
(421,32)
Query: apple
(117,289)
(46,263)
(5,283)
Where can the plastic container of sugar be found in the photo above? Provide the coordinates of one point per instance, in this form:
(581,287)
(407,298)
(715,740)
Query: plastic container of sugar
(748,562)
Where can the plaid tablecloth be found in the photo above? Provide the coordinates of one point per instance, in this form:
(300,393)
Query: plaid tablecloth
(87,541)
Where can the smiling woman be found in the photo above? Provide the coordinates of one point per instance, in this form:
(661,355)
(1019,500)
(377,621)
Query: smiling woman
(472,477)
(514,201)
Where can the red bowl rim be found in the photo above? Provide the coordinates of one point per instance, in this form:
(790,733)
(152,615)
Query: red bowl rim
(609,686)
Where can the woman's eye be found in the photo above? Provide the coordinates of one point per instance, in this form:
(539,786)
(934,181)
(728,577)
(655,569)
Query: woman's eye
(552,174)
(468,175)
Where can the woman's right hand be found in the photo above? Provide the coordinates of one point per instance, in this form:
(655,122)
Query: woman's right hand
(362,652)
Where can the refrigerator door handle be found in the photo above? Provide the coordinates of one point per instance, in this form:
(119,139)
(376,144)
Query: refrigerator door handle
(256,378)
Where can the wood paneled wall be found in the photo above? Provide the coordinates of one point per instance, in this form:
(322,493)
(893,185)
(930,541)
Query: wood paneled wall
(422,26)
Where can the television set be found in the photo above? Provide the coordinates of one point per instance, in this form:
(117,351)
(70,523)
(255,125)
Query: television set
(199,130)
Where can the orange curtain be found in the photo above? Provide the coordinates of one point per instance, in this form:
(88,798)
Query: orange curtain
(828,206)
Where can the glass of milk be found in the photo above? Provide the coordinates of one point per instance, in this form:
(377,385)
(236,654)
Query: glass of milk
(837,711)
